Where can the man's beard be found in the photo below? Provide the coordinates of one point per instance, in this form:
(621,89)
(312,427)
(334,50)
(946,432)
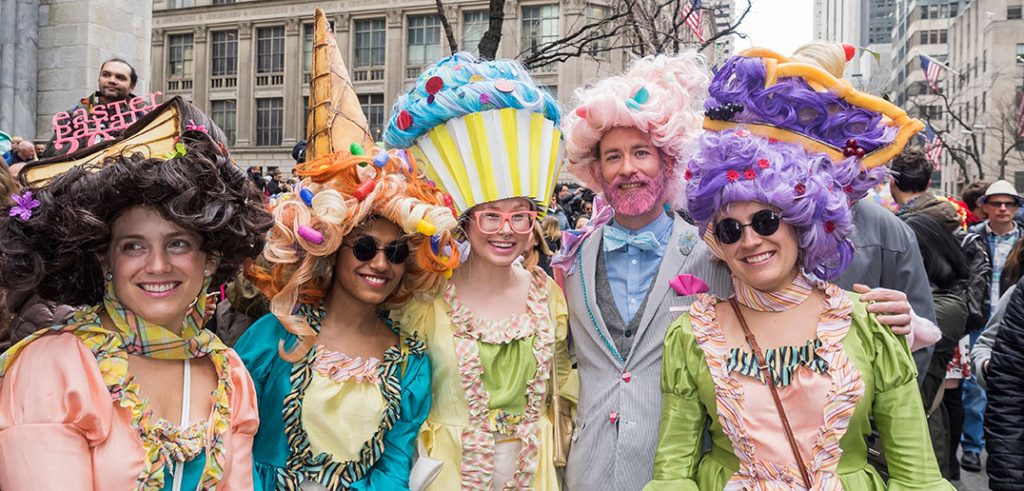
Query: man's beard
(112,95)
(636,202)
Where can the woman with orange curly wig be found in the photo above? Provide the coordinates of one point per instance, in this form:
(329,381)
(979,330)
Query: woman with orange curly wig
(342,389)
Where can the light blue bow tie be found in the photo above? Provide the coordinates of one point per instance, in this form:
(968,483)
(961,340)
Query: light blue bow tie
(615,238)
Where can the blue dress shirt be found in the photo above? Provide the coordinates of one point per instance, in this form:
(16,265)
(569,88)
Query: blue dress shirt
(631,270)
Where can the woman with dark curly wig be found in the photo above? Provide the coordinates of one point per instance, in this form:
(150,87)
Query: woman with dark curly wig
(792,369)
(132,392)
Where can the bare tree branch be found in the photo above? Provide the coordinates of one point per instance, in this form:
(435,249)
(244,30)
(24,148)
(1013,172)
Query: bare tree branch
(488,46)
(453,45)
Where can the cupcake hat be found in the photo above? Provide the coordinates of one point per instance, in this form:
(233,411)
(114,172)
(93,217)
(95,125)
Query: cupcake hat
(484,130)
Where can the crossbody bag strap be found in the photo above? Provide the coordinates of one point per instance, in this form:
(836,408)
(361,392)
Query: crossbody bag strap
(762,366)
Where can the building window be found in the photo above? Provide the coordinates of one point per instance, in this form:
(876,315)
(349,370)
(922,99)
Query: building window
(179,4)
(223,114)
(1013,12)
(305,120)
(270,49)
(223,2)
(474,25)
(373,107)
(540,27)
(307,48)
(269,120)
(224,56)
(424,43)
(599,47)
(933,36)
(179,56)
(370,42)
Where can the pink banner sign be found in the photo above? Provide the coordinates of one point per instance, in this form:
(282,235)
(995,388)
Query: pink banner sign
(70,129)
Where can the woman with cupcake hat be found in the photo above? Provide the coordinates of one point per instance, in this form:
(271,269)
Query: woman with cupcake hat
(488,137)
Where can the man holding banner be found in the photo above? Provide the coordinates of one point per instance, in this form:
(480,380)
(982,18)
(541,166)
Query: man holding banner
(94,119)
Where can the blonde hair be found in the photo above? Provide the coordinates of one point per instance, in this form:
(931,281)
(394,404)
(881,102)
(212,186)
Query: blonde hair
(295,269)
(549,227)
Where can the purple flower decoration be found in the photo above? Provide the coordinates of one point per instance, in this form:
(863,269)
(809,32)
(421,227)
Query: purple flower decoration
(571,239)
(24,206)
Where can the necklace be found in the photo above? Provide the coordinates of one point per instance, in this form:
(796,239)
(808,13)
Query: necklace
(779,301)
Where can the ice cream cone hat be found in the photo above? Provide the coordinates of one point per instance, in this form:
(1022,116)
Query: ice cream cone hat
(336,120)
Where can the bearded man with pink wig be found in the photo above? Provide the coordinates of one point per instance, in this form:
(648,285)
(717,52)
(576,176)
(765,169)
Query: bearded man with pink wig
(637,265)
(625,141)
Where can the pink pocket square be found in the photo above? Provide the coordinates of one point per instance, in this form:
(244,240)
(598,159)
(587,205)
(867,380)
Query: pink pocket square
(688,284)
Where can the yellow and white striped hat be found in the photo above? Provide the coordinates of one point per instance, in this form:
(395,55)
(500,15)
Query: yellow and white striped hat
(484,129)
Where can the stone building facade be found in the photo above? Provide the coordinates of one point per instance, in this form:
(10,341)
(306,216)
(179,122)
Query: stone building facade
(51,53)
(247,63)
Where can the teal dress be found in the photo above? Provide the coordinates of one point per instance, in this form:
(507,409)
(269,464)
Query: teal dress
(283,456)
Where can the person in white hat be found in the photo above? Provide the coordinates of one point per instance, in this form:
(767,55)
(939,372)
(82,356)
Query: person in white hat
(1000,202)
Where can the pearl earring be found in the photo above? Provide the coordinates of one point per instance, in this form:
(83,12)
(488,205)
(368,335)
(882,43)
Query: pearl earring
(109,276)
(206,272)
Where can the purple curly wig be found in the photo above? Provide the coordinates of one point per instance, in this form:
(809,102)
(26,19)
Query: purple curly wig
(813,193)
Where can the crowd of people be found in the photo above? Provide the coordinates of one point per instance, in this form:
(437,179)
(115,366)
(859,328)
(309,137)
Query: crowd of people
(711,304)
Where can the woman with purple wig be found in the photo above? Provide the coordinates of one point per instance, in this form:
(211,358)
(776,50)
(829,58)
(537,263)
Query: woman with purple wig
(790,369)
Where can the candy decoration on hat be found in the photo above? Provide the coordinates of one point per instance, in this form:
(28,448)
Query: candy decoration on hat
(310,234)
(307,196)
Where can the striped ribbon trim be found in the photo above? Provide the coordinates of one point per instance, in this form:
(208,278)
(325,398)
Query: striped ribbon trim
(781,361)
(302,465)
(779,301)
(477,466)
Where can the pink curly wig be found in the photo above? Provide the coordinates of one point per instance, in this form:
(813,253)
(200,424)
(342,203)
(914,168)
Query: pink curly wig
(672,114)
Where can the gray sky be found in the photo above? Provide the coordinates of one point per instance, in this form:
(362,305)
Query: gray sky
(778,25)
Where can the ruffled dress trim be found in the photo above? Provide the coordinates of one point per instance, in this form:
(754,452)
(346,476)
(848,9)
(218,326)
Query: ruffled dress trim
(477,467)
(846,390)
(162,442)
(782,362)
(302,465)
(340,367)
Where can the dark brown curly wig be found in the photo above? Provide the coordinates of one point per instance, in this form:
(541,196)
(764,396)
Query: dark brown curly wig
(56,251)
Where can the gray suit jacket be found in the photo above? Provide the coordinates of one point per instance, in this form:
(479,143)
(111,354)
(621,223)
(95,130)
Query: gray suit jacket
(620,456)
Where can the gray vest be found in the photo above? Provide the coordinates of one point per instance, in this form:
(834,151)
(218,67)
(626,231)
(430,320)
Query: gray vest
(621,332)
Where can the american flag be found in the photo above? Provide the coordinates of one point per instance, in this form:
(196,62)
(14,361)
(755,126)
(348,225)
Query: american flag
(933,147)
(931,72)
(691,12)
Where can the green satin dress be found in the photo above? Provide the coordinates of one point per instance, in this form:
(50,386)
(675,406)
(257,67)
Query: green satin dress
(872,375)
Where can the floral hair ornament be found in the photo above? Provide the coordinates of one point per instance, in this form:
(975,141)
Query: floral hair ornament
(24,204)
